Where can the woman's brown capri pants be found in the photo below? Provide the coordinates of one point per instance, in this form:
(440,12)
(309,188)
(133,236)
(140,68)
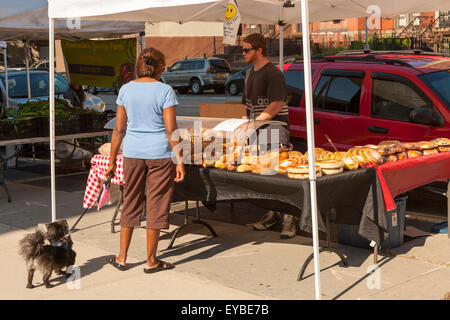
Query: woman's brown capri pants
(158,175)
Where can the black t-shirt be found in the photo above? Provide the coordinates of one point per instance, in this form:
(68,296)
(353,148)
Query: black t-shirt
(263,87)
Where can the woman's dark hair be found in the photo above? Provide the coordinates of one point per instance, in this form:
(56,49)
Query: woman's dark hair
(150,63)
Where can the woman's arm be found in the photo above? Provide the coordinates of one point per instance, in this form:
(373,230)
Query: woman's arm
(170,122)
(120,128)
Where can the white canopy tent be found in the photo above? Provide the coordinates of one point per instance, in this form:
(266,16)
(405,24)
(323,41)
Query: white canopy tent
(252,12)
(27,20)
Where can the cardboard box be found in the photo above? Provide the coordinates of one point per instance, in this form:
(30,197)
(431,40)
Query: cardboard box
(228,110)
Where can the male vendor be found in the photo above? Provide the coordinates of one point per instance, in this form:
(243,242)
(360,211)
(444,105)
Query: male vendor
(265,97)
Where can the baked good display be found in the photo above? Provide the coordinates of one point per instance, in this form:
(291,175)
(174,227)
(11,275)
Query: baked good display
(330,167)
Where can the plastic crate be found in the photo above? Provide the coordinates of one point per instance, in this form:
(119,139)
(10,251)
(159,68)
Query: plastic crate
(348,234)
(92,122)
(63,125)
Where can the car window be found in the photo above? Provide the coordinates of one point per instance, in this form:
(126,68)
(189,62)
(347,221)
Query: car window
(439,82)
(220,66)
(295,84)
(395,100)
(338,94)
(39,85)
(197,65)
(176,66)
(186,65)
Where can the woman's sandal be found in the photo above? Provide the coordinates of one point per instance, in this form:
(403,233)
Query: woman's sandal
(112,261)
(162,265)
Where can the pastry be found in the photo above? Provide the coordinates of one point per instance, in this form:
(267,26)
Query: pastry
(430,151)
(441,142)
(402,155)
(426,145)
(302,172)
(388,142)
(443,149)
(244,168)
(411,146)
(350,163)
(414,153)
(283,166)
(340,155)
(294,153)
(372,156)
(331,166)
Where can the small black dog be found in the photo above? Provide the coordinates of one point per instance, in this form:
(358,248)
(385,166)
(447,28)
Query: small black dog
(55,256)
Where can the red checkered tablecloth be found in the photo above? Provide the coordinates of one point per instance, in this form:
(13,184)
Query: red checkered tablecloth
(99,166)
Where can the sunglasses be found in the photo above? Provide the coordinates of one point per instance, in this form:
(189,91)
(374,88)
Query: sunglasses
(247,50)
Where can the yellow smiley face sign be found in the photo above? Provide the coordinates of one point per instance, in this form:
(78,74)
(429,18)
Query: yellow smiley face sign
(230,14)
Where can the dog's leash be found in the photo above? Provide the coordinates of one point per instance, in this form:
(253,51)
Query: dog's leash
(107,182)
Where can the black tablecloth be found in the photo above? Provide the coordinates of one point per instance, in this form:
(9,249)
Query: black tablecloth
(356,196)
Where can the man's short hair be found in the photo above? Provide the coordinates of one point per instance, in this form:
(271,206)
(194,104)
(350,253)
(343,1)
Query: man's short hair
(257,41)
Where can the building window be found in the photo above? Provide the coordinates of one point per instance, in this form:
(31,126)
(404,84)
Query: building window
(416,16)
(402,20)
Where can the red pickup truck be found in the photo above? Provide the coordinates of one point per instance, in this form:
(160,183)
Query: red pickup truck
(364,98)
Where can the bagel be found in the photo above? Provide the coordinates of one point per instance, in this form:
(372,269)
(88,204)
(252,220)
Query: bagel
(332,171)
(414,153)
(220,165)
(356,153)
(399,147)
(330,164)
(426,145)
(303,175)
(429,151)
(444,149)
(441,142)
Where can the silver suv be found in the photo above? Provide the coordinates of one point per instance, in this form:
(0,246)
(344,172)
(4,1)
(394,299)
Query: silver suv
(197,75)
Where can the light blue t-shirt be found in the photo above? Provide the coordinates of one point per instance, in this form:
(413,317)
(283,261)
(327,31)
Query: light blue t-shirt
(144,102)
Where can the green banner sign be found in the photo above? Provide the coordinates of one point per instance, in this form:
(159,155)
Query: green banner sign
(100,63)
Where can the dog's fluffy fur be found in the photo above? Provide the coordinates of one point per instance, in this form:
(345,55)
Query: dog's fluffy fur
(47,258)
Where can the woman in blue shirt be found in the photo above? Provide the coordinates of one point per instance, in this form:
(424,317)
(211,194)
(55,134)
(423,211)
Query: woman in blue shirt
(145,121)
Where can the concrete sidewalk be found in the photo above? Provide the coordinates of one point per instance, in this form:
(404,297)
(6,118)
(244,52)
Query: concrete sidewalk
(238,264)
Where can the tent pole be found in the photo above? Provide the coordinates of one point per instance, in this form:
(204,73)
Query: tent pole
(51,44)
(281,25)
(5,57)
(27,61)
(311,146)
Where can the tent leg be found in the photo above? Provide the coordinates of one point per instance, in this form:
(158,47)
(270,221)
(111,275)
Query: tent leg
(187,222)
(328,248)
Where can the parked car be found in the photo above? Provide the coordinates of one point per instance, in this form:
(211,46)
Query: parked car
(39,85)
(95,90)
(197,75)
(365,98)
(235,83)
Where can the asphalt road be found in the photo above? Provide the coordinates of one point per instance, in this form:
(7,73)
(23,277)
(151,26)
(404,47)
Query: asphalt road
(189,103)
